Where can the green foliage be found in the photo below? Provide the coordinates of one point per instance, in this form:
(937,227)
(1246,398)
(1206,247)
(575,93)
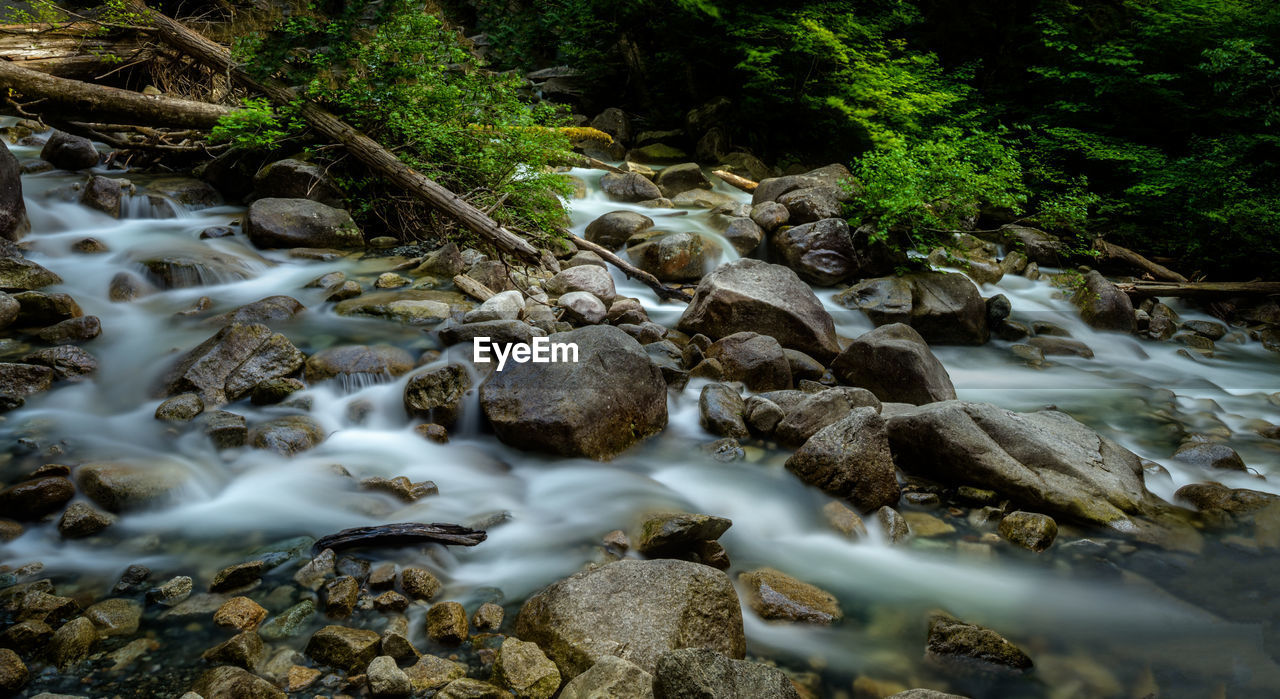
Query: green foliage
(255,126)
(401,76)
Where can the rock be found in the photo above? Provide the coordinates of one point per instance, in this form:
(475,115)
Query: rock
(13,209)
(267,311)
(676,179)
(811,412)
(436,395)
(770,216)
(894,526)
(844,520)
(612,397)
(775,595)
(20,274)
(803,367)
(240,613)
(525,671)
(273,391)
(488,617)
(39,309)
(1215,496)
(299,223)
(1060,346)
(499,332)
(754,359)
(629,187)
(287,435)
(810,204)
(71,331)
(1031,531)
(850,459)
(946,308)
(467,688)
(588,278)
(673,257)
(411,307)
(610,677)
(172,592)
(127,486)
(183,407)
(656,154)
(287,623)
(674,534)
(21,380)
(344,648)
(636,610)
(82,519)
(895,364)
(9,306)
(1044,460)
(33,499)
(1039,247)
(68,152)
(233,361)
(419,583)
(229,682)
(744,235)
(504,306)
(1162,322)
(184,268)
(770,189)
(386,679)
(1205,328)
(391,280)
(188,191)
(340,596)
(1103,305)
(431,672)
(226,430)
(924,694)
(698,198)
(962,647)
(721,411)
(614,122)
(1210,456)
(584,257)
(68,362)
(582,308)
(296,179)
(750,295)
(447,623)
(354,363)
(105,194)
(237,576)
(126,286)
(762,414)
(821,252)
(115,617)
(697,672)
(244,650)
(13,672)
(70,644)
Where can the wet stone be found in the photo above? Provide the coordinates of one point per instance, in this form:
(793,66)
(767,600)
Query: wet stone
(386,679)
(341,595)
(71,643)
(239,613)
(447,623)
(237,576)
(13,672)
(183,407)
(225,429)
(775,595)
(391,601)
(843,519)
(525,670)
(244,650)
(115,617)
(431,672)
(488,617)
(344,648)
(895,528)
(419,583)
(961,647)
(287,623)
(312,574)
(1030,530)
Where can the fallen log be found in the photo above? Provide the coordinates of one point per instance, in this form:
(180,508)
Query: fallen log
(738,181)
(403,534)
(1111,251)
(1200,290)
(591,163)
(663,291)
(365,149)
(78,50)
(72,100)
(471,287)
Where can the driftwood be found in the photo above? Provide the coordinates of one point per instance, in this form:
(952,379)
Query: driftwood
(73,100)
(738,181)
(76,50)
(1200,290)
(473,288)
(366,150)
(596,164)
(1111,251)
(663,291)
(404,534)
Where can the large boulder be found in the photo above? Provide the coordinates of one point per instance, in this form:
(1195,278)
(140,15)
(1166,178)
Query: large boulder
(597,406)
(1103,305)
(69,152)
(589,278)
(436,395)
(944,307)
(233,361)
(820,252)
(631,186)
(1042,248)
(677,179)
(125,486)
(296,179)
(673,257)
(13,210)
(850,459)
(754,359)
(894,363)
(812,203)
(20,274)
(760,297)
(772,188)
(611,676)
(612,230)
(706,674)
(636,610)
(1045,461)
(299,223)
(186,267)
(21,380)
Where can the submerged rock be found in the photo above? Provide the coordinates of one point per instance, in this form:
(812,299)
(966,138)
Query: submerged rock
(352,362)
(777,596)
(287,435)
(964,648)
(1030,530)
(125,486)
(636,610)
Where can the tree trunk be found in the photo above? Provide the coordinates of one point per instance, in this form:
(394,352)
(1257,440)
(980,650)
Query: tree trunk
(663,291)
(71,51)
(365,149)
(72,100)
(1111,251)
(1200,290)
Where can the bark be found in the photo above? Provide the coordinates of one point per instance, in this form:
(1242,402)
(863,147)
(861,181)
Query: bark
(1111,251)
(76,50)
(365,149)
(663,291)
(473,288)
(72,100)
(403,534)
(1201,290)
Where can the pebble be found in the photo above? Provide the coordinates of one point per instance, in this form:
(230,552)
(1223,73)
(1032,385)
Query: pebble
(240,613)
(447,623)
(488,617)
(419,583)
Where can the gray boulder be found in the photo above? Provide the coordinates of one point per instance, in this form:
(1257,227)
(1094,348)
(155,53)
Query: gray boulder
(673,257)
(636,610)
(589,278)
(850,459)
(436,395)
(758,361)
(1103,305)
(677,179)
(612,230)
(233,361)
(944,307)
(13,210)
(812,203)
(629,187)
(744,234)
(598,406)
(299,223)
(296,179)
(357,363)
(706,674)
(811,412)
(610,677)
(721,411)
(760,297)
(895,364)
(69,152)
(770,189)
(20,274)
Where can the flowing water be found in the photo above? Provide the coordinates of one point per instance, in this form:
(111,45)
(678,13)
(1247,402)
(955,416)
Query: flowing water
(1102,619)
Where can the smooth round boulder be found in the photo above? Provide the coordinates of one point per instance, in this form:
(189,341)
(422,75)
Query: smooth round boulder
(812,204)
(895,364)
(1103,305)
(582,308)
(744,234)
(69,152)
(673,257)
(1030,530)
(299,223)
(754,359)
(676,179)
(597,406)
(589,278)
(629,187)
(636,610)
(33,499)
(296,179)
